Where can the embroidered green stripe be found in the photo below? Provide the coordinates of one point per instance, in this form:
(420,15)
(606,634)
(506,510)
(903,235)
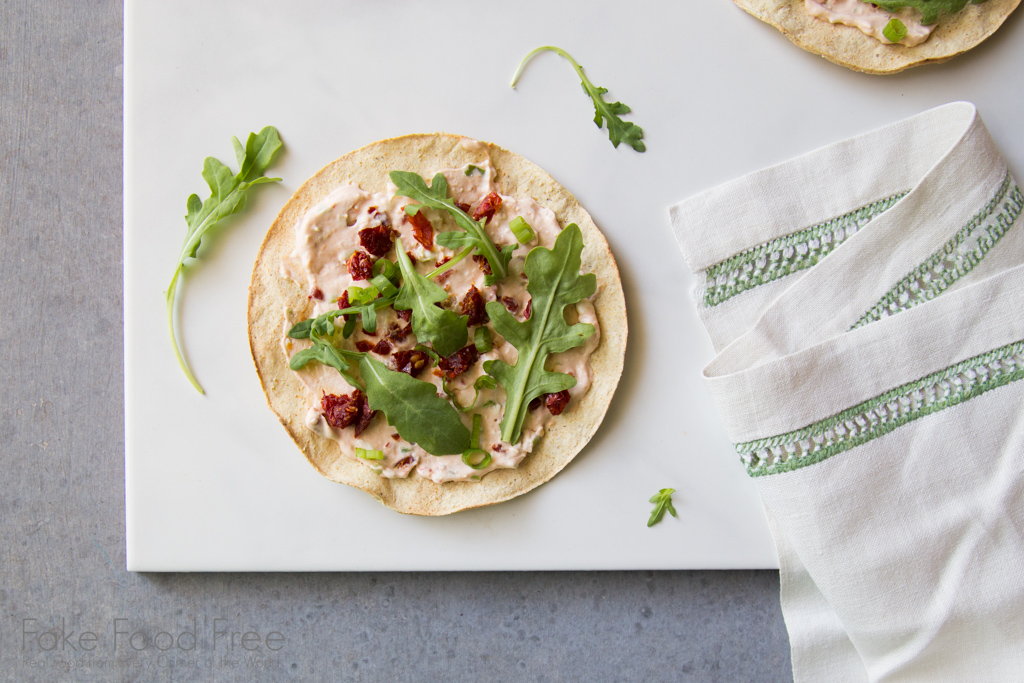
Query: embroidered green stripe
(880,415)
(786,255)
(956,258)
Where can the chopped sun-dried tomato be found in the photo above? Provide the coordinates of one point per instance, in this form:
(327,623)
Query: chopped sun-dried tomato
(407,460)
(422,230)
(363,346)
(341,411)
(317,294)
(529,309)
(465,207)
(366,414)
(360,265)
(381,217)
(411,361)
(482,262)
(383,347)
(377,240)
(511,304)
(487,206)
(405,315)
(397,333)
(473,305)
(498,448)
(556,402)
(454,365)
(535,403)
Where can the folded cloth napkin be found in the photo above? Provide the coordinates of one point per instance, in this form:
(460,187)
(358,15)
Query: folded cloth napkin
(865,302)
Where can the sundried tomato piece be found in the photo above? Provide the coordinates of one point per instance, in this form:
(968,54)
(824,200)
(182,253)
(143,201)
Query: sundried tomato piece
(363,346)
(511,304)
(465,207)
(498,448)
(381,217)
(317,294)
(377,240)
(341,411)
(535,403)
(473,305)
(383,347)
(482,262)
(556,402)
(397,333)
(422,230)
(360,265)
(411,361)
(366,414)
(454,365)
(407,460)
(405,315)
(529,309)
(487,206)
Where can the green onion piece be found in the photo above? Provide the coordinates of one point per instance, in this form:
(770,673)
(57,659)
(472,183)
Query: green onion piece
(474,440)
(450,263)
(386,268)
(476,458)
(522,230)
(384,285)
(895,30)
(367,454)
(482,341)
(484,382)
(362,295)
(471,168)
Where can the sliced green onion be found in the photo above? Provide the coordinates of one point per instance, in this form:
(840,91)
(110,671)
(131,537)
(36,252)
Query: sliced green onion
(476,458)
(386,268)
(362,295)
(482,340)
(474,440)
(384,286)
(484,382)
(367,454)
(522,230)
(471,168)
(895,30)
(450,263)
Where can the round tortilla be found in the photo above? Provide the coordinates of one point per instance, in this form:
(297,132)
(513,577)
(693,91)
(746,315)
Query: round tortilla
(850,47)
(270,295)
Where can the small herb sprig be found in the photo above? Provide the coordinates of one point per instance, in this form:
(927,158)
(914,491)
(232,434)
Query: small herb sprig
(605,113)
(662,501)
(227,197)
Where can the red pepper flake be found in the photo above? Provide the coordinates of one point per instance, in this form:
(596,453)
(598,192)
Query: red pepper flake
(366,414)
(556,402)
(454,365)
(377,240)
(341,411)
(383,347)
(473,305)
(411,361)
(396,436)
(511,304)
(487,206)
(482,262)
(498,447)
(405,315)
(360,265)
(422,230)
(316,294)
(363,346)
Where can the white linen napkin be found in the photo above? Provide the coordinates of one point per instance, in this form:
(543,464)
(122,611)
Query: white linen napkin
(865,302)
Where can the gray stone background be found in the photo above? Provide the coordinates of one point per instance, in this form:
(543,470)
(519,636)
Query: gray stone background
(62,537)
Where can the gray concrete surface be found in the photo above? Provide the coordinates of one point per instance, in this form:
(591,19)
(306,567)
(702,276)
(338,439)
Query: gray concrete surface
(68,609)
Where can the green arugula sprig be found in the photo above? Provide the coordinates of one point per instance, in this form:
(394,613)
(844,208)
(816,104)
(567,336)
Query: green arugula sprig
(930,9)
(662,501)
(554,283)
(605,113)
(414,187)
(227,197)
(445,331)
(318,330)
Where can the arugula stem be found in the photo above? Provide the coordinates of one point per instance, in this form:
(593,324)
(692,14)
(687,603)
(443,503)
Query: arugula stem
(490,251)
(450,263)
(552,48)
(171,289)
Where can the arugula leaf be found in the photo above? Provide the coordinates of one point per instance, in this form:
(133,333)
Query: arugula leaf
(554,283)
(414,187)
(445,331)
(662,501)
(606,113)
(930,9)
(227,197)
(414,409)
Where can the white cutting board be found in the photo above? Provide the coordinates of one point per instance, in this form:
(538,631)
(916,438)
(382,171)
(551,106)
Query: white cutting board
(214,483)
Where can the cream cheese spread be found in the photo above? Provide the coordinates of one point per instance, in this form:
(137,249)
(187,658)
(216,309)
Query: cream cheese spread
(328,235)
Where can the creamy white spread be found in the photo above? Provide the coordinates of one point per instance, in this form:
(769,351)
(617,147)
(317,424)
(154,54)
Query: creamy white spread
(327,236)
(870,19)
